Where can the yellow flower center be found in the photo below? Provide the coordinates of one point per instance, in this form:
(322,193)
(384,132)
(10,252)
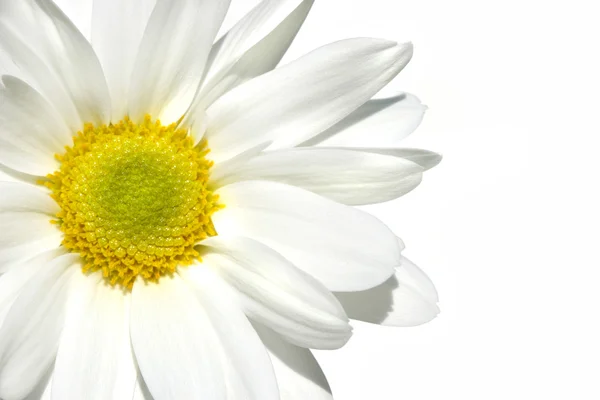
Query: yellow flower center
(134,199)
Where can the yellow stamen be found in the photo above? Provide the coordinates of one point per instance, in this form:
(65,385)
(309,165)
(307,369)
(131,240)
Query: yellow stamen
(134,199)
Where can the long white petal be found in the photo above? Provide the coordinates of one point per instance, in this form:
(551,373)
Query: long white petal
(32,131)
(56,59)
(10,175)
(425,158)
(277,293)
(43,391)
(345,248)
(379,122)
(348,177)
(406,299)
(254,46)
(299,375)
(22,197)
(39,237)
(25,228)
(95,360)
(117,30)
(401,244)
(80,12)
(300,100)
(248,369)
(254,27)
(7,64)
(141,391)
(221,172)
(174,342)
(31,331)
(172,56)
(15,279)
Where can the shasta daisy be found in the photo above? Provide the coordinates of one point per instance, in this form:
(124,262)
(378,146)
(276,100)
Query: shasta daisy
(176,213)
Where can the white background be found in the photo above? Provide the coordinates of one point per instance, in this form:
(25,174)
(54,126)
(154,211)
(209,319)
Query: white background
(508,225)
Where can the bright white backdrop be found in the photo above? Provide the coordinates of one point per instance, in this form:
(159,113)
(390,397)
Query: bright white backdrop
(507,225)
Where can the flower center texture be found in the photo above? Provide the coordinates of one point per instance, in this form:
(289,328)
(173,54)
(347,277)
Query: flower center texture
(134,199)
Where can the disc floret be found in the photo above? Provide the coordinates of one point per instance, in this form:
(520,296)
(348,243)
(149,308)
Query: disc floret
(134,199)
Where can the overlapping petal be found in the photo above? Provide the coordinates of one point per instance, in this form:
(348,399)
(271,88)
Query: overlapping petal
(174,342)
(255,45)
(7,64)
(346,176)
(246,365)
(43,391)
(278,294)
(15,279)
(10,175)
(21,197)
(299,375)
(31,331)
(80,12)
(117,30)
(95,359)
(345,248)
(25,228)
(295,102)
(172,56)
(32,131)
(425,158)
(377,123)
(406,299)
(56,59)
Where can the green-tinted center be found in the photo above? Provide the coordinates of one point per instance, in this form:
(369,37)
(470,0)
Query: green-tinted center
(134,199)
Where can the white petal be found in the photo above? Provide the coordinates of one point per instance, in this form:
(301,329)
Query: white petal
(174,342)
(300,100)
(23,197)
(425,158)
(95,359)
(141,390)
(345,248)
(43,391)
(379,122)
(255,45)
(32,131)
(406,299)
(248,369)
(299,375)
(259,23)
(10,175)
(11,256)
(24,235)
(31,331)
(278,294)
(25,228)
(56,60)
(80,12)
(7,64)
(117,30)
(348,177)
(15,279)
(172,56)
(401,244)
(221,172)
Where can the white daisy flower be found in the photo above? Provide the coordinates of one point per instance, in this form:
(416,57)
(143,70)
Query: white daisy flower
(175,213)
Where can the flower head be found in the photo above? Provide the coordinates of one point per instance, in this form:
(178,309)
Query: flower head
(176,213)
